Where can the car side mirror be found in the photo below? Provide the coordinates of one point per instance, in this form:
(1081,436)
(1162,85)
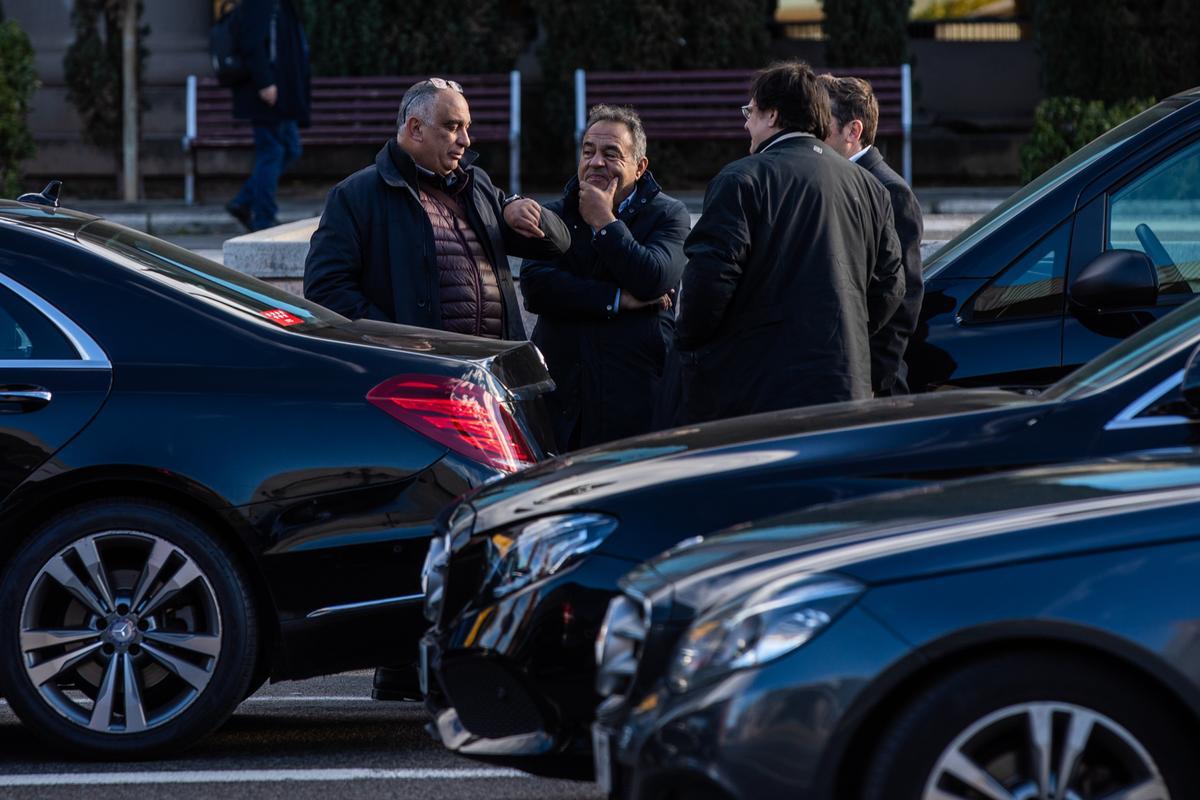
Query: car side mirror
(1115,280)
(1190,388)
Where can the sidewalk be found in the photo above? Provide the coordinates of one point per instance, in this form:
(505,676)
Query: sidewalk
(945,210)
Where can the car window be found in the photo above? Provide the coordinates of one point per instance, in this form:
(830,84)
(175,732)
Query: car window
(1159,214)
(205,279)
(27,335)
(1031,287)
(1144,349)
(1046,182)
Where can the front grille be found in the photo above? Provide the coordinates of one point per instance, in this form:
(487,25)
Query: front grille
(619,646)
(491,701)
(465,576)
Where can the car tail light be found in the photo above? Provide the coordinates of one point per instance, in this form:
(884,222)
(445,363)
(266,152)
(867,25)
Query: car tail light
(459,414)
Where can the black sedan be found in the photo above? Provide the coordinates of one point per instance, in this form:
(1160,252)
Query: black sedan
(206,481)
(1098,246)
(1033,635)
(520,578)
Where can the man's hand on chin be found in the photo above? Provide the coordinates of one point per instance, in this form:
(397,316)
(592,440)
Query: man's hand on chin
(525,217)
(596,204)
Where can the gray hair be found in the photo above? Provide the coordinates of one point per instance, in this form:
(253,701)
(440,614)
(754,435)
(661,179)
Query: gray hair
(626,116)
(420,99)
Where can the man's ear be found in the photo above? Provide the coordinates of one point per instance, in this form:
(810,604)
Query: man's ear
(773,119)
(413,129)
(641,167)
(855,130)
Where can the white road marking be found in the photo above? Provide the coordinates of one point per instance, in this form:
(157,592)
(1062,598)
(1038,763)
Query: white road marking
(307,698)
(253,776)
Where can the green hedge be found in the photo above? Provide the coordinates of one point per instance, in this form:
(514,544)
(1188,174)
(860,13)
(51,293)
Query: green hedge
(390,37)
(92,69)
(17,84)
(1064,124)
(866,33)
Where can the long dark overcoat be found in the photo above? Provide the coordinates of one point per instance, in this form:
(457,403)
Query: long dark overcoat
(288,71)
(792,266)
(373,255)
(607,363)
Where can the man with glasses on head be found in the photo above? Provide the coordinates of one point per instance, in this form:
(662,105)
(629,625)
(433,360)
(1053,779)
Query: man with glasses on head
(793,265)
(422,237)
(605,311)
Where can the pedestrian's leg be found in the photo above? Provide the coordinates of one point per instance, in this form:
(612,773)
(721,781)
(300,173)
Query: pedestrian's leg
(268,163)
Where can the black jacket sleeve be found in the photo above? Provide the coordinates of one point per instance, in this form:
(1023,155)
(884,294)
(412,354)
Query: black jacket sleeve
(648,269)
(334,267)
(716,250)
(555,292)
(253,31)
(885,286)
(556,242)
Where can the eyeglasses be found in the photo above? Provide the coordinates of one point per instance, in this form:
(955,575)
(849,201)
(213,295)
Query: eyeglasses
(442,83)
(746,109)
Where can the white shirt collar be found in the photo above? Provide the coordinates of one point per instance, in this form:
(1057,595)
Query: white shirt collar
(860,153)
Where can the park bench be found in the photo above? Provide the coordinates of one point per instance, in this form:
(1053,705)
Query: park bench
(703,104)
(353,111)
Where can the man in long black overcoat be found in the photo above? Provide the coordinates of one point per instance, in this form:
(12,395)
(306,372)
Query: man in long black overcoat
(793,265)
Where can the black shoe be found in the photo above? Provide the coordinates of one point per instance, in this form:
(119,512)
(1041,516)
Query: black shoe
(241,214)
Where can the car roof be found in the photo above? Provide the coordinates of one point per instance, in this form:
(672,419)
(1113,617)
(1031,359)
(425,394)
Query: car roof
(52,220)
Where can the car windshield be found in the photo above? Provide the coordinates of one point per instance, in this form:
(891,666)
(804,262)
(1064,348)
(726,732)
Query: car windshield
(206,279)
(1060,172)
(1143,349)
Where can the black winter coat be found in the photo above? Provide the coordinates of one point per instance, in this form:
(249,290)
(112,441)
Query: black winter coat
(889,373)
(373,255)
(288,71)
(606,363)
(792,266)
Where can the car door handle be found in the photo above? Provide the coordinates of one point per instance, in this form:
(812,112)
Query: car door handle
(25,398)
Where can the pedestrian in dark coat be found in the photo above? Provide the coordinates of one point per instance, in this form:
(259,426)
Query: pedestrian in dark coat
(605,313)
(793,265)
(855,119)
(377,254)
(275,98)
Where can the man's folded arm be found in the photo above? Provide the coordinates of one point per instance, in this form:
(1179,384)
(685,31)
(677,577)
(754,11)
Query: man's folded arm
(648,269)
(556,292)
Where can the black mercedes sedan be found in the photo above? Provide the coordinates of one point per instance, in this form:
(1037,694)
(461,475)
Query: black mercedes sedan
(206,482)
(1098,246)
(519,579)
(1028,635)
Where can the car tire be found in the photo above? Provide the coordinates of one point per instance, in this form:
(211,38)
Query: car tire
(984,723)
(126,631)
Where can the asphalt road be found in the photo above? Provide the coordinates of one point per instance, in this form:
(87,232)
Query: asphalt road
(323,739)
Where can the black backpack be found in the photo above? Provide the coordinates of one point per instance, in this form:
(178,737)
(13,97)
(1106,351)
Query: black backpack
(227,62)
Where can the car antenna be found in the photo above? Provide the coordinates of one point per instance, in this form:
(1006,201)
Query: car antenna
(46,197)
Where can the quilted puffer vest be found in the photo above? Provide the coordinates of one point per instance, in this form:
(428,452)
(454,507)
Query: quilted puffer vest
(469,292)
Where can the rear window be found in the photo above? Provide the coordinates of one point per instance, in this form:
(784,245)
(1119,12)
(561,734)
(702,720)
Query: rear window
(205,279)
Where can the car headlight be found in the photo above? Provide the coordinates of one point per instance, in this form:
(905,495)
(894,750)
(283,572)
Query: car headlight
(539,549)
(759,627)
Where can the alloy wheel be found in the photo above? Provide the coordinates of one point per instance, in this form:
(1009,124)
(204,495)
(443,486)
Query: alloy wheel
(1045,751)
(120,632)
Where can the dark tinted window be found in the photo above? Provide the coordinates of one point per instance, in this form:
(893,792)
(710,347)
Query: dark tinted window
(1031,287)
(26,334)
(205,279)
(1158,214)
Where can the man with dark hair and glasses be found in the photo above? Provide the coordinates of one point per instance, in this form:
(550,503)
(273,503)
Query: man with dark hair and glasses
(793,265)
(422,237)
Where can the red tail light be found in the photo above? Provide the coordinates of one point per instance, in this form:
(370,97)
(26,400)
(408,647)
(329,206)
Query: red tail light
(459,414)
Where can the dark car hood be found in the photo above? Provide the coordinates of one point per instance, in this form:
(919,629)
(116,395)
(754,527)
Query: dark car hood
(940,528)
(587,478)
